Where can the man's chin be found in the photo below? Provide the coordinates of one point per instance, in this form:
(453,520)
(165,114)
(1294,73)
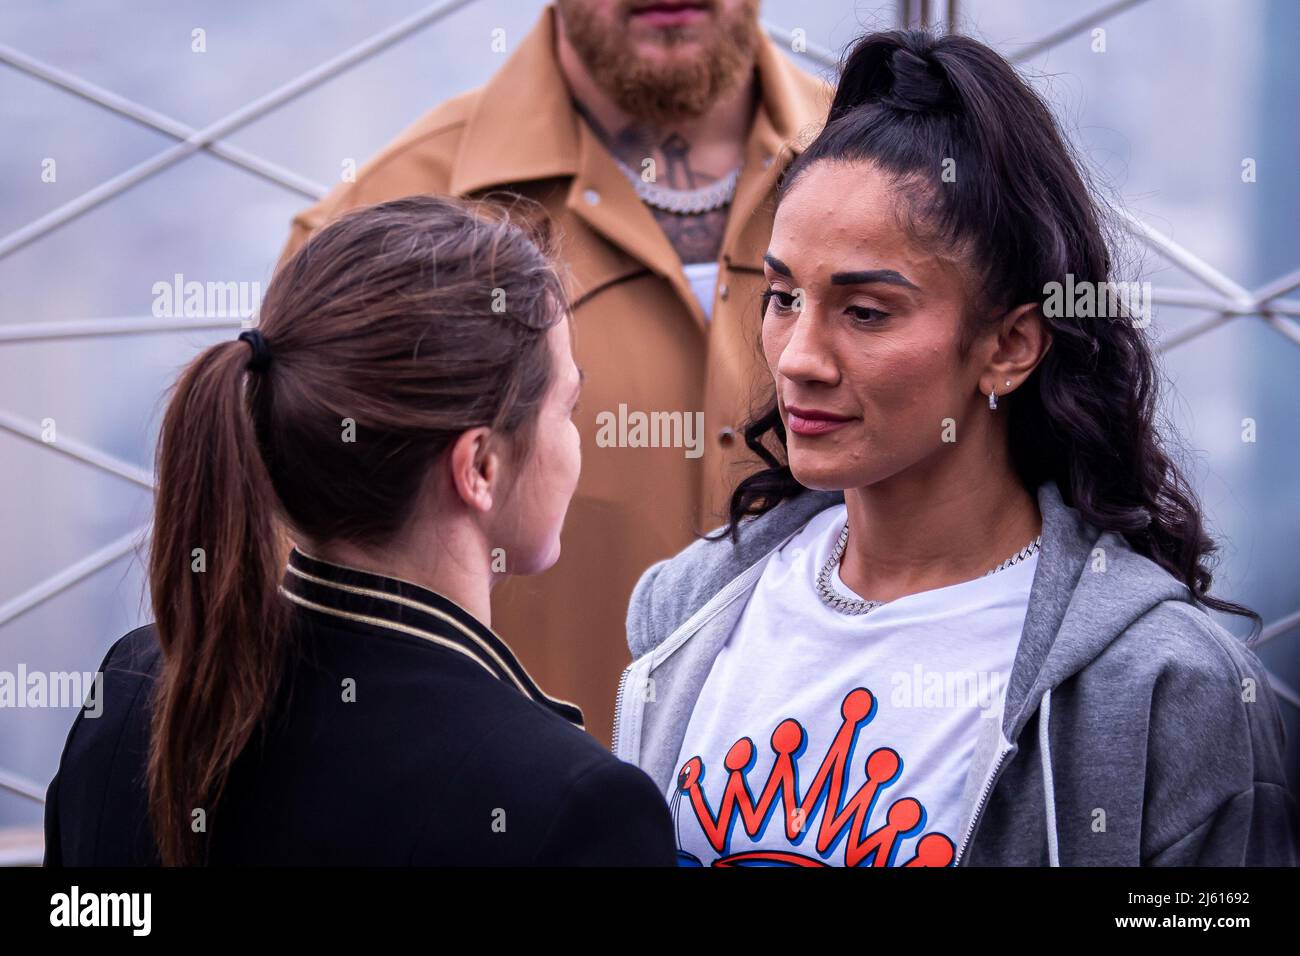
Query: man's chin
(699,32)
(651,47)
(654,48)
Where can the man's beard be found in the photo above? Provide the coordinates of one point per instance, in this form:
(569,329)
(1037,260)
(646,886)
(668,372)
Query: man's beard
(662,92)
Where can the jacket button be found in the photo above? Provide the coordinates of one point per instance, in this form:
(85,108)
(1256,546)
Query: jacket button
(722,292)
(591,196)
(726,436)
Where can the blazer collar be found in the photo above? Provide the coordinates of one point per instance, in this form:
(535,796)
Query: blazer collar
(392,605)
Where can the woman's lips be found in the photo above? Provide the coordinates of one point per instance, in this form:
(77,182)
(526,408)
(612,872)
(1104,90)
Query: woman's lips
(811,422)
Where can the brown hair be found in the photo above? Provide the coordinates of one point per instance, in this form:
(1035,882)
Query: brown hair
(414,320)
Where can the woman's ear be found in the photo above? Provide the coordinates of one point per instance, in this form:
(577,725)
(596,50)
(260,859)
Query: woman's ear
(475,467)
(1023,340)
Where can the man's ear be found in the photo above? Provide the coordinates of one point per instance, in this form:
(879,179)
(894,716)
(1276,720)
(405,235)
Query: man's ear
(1023,338)
(475,467)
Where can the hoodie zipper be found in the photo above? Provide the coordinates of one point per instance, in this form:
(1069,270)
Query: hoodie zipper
(687,630)
(618,709)
(979,807)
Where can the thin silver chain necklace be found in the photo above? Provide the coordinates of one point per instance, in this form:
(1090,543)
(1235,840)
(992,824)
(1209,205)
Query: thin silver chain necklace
(836,601)
(683,202)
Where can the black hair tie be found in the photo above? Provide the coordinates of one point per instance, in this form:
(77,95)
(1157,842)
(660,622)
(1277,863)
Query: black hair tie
(261,351)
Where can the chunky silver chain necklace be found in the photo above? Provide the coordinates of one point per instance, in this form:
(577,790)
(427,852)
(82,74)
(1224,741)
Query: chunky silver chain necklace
(683,202)
(836,601)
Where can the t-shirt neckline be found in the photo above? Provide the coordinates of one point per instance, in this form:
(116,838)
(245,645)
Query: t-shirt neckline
(1009,576)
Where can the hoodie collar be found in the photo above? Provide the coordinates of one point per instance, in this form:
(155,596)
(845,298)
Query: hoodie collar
(1077,605)
(387,605)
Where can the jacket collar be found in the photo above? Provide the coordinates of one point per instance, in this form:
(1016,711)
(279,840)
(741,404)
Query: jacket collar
(384,604)
(525,104)
(523,126)
(528,102)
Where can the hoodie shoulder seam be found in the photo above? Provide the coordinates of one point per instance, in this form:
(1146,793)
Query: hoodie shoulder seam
(1206,628)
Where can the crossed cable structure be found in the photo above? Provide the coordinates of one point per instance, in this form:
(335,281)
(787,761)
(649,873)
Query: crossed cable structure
(1224,298)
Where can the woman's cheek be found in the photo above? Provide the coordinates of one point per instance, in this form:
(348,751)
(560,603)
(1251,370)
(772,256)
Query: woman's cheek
(576,457)
(773,345)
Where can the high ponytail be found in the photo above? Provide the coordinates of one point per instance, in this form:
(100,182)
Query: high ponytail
(385,327)
(214,570)
(883,69)
(1017,210)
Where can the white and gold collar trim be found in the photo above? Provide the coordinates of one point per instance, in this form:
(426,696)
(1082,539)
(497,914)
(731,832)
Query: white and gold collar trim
(396,605)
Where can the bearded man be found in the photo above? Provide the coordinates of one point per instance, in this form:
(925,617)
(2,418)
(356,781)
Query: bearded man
(652,133)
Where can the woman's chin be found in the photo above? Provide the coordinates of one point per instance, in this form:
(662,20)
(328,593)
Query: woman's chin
(820,476)
(547,558)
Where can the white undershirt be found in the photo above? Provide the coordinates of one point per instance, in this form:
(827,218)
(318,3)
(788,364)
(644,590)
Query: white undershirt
(703,277)
(934,664)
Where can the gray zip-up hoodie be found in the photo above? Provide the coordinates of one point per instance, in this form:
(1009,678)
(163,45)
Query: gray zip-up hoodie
(1135,729)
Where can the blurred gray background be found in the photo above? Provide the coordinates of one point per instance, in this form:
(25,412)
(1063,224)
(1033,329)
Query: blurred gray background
(1185,91)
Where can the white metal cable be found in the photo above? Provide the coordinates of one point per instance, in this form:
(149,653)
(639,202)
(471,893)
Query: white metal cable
(62,580)
(157,121)
(812,51)
(1073,28)
(92,328)
(77,450)
(1280,285)
(225,126)
(16,783)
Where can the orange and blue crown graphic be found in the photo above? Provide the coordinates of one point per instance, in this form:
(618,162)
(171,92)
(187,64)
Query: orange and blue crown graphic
(841,821)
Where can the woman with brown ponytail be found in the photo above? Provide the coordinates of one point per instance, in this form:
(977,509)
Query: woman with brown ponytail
(402,415)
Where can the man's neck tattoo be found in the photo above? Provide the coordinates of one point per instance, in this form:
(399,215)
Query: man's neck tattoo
(697,238)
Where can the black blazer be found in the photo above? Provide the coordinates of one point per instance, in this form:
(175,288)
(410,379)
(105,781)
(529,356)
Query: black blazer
(449,755)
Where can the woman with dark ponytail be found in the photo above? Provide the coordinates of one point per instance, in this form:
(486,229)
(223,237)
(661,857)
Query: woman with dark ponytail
(402,415)
(961,615)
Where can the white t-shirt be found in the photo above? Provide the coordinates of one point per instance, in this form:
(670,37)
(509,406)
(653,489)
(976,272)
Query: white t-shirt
(822,738)
(703,277)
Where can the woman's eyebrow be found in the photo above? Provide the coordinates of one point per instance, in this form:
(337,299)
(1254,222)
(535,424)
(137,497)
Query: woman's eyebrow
(777,265)
(867,276)
(861,277)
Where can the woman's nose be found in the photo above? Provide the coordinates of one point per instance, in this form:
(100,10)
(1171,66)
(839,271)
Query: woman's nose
(808,355)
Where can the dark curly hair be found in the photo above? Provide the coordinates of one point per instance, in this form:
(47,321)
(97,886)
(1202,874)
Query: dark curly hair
(1022,216)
